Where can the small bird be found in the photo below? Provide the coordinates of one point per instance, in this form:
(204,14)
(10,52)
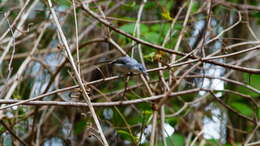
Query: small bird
(127,64)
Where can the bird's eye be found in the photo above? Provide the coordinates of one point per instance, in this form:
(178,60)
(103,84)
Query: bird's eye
(141,68)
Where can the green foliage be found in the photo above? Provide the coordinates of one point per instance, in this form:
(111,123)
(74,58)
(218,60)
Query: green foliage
(195,6)
(176,140)
(240,104)
(242,108)
(145,107)
(80,126)
(253,80)
(125,135)
(152,37)
(172,140)
(2,129)
(141,118)
(130,6)
(65,3)
(2,9)
(152,33)
(149,56)
(258,113)
(212,142)
(227,145)
(129,28)
(14,13)
(150,5)
(253,2)
(256,15)
(161,29)
(117,119)
(132,82)
(166,74)
(245,91)
(172,120)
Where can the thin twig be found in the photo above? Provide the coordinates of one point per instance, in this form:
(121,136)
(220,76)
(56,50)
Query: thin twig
(12,132)
(22,68)
(16,32)
(85,94)
(77,35)
(154,125)
(239,68)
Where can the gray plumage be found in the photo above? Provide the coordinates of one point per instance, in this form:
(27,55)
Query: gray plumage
(127,64)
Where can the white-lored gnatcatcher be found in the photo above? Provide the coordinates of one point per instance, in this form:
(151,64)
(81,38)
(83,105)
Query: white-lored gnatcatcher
(125,64)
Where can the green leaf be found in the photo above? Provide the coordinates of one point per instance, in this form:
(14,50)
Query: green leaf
(178,27)
(3,9)
(139,119)
(227,145)
(149,56)
(166,74)
(124,134)
(177,139)
(152,37)
(252,79)
(242,108)
(150,5)
(212,142)
(253,2)
(256,14)
(160,29)
(195,6)
(130,4)
(147,112)
(80,126)
(156,27)
(129,28)
(145,107)
(16,95)
(65,3)
(246,91)
(131,83)
(174,140)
